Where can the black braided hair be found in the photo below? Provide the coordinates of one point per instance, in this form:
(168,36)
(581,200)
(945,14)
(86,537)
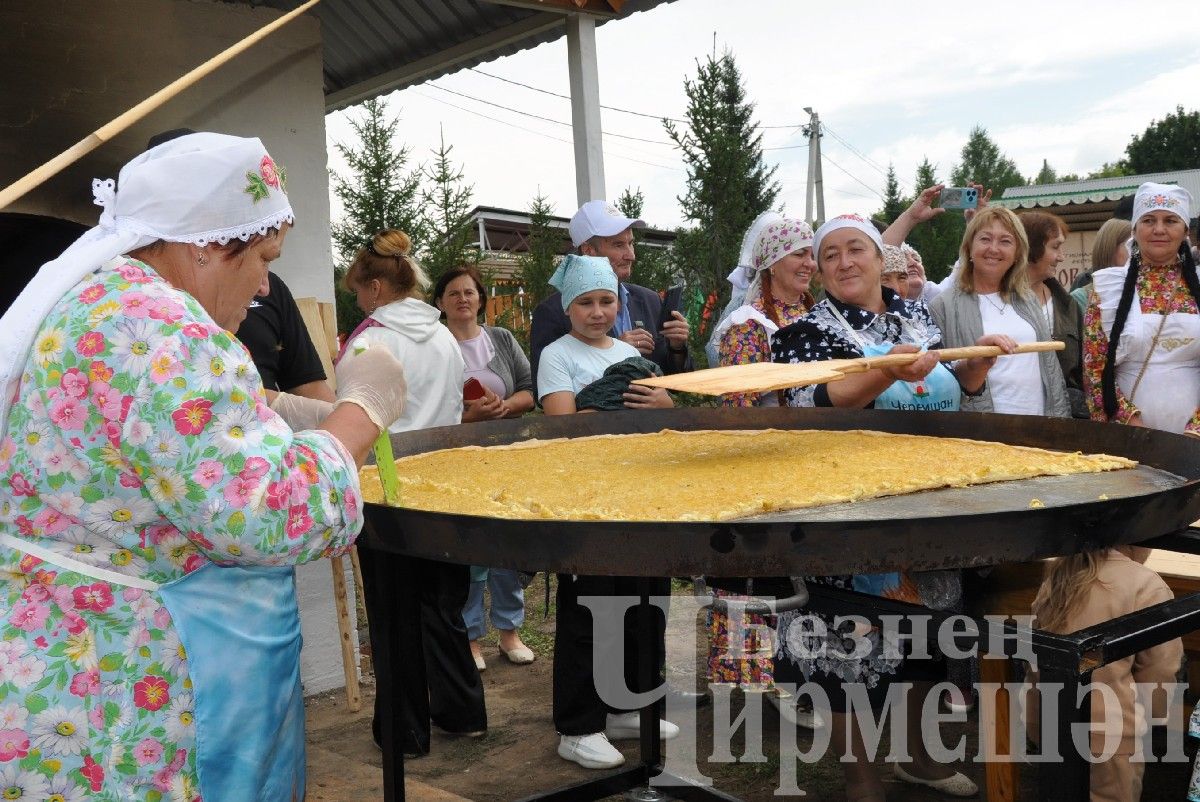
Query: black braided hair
(1108,383)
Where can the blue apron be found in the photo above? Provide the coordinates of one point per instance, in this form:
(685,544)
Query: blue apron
(240,629)
(938,392)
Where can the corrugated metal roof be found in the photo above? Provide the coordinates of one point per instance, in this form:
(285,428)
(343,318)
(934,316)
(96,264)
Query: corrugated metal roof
(1093,190)
(372,47)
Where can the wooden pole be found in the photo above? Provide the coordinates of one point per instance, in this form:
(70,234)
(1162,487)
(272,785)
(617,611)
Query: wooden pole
(106,132)
(349,663)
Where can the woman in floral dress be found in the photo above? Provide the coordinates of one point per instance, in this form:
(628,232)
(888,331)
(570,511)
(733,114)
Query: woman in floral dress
(147,489)
(778,295)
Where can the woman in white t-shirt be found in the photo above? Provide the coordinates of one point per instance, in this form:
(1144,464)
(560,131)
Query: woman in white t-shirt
(992,295)
(585,724)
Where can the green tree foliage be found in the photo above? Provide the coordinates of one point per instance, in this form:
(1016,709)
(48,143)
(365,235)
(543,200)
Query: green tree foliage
(893,202)
(984,163)
(445,216)
(1046,175)
(535,267)
(380,192)
(1111,170)
(653,267)
(937,240)
(728,184)
(1172,143)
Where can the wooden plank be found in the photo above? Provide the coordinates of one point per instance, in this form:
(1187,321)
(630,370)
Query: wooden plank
(349,661)
(329,319)
(1002,780)
(1175,565)
(311,312)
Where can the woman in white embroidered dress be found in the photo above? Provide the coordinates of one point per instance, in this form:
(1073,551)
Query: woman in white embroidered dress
(1141,342)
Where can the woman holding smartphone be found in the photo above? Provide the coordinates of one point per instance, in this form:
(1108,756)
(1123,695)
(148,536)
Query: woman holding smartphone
(498,385)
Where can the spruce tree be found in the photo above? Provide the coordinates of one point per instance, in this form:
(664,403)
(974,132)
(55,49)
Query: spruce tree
(1046,175)
(728,184)
(535,266)
(380,192)
(984,163)
(445,215)
(893,203)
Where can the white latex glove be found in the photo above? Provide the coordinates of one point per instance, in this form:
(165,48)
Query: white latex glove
(300,412)
(374,380)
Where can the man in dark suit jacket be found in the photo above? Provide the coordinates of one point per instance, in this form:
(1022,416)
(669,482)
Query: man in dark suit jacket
(599,229)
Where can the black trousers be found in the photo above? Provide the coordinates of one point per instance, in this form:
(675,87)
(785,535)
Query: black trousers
(424,670)
(578,709)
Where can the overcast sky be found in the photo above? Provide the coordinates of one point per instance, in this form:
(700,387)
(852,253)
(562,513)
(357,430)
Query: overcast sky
(1070,82)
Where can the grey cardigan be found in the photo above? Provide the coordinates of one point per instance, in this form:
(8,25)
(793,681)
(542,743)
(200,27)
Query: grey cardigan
(510,362)
(957,315)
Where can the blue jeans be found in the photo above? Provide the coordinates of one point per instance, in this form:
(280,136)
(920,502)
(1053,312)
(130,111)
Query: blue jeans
(508,603)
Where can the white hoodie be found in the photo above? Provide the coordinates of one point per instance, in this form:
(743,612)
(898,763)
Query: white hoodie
(432,360)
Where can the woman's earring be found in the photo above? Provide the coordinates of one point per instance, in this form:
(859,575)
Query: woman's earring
(202,258)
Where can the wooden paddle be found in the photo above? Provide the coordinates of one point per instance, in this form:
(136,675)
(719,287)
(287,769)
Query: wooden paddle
(761,377)
(109,130)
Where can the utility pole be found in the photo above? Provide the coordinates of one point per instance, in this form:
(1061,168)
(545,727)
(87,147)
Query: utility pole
(815,181)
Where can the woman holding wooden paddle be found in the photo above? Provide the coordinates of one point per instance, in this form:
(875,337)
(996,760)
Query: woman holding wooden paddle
(859,317)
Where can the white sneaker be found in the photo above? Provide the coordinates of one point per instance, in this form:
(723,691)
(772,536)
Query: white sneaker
(789,711)
(590,751)
(628,725)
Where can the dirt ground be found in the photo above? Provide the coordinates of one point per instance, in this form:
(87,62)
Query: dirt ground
(517,757)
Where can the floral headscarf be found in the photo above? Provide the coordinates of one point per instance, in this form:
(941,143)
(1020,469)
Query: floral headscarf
(777,240)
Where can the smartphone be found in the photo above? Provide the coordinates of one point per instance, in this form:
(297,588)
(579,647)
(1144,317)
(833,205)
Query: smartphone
(671,303)
(473,390)
(959,198)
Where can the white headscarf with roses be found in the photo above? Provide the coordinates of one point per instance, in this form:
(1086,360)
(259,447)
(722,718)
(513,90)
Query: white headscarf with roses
(199,188)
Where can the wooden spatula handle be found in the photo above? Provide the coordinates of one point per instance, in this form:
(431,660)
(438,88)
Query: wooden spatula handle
(977,351)
(948,354)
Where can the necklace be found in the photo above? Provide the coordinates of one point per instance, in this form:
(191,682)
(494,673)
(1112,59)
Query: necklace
(1002,308)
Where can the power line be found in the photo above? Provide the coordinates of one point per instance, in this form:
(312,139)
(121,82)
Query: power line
(610,108)
(847,172)
(875,165)
(544,119)
(788,147)
(540,133)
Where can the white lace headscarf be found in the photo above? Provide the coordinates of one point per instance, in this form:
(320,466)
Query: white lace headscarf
(199,188)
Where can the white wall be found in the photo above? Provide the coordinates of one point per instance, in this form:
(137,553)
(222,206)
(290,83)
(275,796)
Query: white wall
(70,66)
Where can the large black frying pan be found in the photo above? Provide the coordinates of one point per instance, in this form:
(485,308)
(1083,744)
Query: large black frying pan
(933,529)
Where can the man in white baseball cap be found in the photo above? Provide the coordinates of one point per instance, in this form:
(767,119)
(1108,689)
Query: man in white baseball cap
(599,229)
